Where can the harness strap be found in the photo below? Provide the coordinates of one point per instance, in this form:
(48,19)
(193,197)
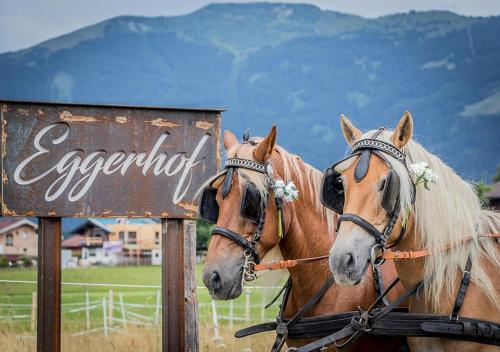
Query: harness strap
(379,237)
(464,284)
(407,255)
(239,240)
(284,264)
(283,326)
(277,295)
(379,283)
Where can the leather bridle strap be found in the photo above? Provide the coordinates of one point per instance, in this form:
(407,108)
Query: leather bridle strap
(238,239)
(285,264)
(379,237)
(407,255)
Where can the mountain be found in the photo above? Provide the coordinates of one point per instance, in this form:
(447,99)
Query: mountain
(294,65)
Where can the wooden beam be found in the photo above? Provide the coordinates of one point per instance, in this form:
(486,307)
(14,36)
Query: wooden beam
(179,312)
(190,298)
(49,285)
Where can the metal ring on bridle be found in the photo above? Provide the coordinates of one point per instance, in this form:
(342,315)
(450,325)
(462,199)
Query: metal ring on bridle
(376,255)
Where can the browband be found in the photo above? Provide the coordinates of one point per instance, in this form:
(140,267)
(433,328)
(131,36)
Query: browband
(370,143)
(247,164)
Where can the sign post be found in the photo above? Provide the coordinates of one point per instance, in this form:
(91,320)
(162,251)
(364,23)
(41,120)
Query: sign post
(76,160)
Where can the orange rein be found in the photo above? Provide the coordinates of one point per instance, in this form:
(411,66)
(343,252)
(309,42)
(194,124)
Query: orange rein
(403,255)
(284,264)
(398,255)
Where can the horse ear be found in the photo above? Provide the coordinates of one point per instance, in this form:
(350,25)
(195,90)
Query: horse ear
(403,131)
(230,139)
(351,133)
(265,148)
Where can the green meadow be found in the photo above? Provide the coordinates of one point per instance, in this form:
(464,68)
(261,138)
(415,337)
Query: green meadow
(141,302)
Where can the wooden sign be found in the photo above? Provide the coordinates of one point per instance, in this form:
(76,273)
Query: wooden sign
(73,160)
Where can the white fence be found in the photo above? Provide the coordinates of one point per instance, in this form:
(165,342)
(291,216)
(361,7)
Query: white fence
(109,312)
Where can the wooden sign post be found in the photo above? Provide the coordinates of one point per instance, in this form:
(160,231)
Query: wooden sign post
(75,160)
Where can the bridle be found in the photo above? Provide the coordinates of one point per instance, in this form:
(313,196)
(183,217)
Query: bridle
(251,199)
(333,196)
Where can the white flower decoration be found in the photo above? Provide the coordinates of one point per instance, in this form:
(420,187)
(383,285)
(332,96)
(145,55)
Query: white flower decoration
(287,192)
(423,173)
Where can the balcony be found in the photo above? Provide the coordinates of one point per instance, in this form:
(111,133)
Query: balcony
(93,241)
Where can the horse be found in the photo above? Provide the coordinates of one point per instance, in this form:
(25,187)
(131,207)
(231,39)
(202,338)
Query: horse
(388,200)
(308,231)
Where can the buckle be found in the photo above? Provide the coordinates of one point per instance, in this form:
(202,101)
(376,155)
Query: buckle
(281,329)
(270,265)
(375,258)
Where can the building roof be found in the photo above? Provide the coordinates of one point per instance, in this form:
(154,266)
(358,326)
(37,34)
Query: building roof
(495,191)
(9,224)
(90,222)
(73,241)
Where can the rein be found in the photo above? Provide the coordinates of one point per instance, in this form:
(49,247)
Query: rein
(284,264)
(397,255)
(408,255)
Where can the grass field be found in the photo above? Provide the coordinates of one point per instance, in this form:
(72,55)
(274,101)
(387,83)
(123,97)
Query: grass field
(141,306)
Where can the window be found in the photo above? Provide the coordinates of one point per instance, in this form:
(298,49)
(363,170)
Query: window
(9,241)
(132,237)
(121,236)
(25,250)
(157,237)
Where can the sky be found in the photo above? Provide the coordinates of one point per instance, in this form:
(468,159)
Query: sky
(24,23)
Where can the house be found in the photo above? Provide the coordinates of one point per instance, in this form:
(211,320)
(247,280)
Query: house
(114,241)
(140,237)
(18,238)
(493,196)
(86,242)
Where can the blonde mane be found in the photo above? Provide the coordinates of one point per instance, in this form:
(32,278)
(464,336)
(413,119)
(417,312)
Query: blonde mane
(447,213)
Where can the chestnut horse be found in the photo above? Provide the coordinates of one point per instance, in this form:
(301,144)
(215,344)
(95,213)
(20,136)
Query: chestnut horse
(308,232)
(443,217)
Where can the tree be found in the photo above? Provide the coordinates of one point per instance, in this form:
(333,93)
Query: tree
(481,190)
(203,231)
(496,178)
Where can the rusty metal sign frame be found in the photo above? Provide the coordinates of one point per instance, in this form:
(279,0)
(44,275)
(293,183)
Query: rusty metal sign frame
(179,308)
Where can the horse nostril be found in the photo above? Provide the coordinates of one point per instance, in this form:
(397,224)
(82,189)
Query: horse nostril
(348,260)
(216,282)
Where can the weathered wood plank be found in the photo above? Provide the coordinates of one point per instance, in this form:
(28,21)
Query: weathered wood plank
(190,298)
(49,285)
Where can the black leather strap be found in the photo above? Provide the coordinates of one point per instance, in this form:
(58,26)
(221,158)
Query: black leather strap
(255,329)
(347,331)
(379,283)
(228,181)
(283,326)
(239,240)
(379,237)
(464,284)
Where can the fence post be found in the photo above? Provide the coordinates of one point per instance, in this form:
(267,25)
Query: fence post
(104,317)
(122,308)
(49,285)
(216,322)
(33,310)
(179,314)
(231,314)
(158,307)
(110,308)
(190,298)
(263,308)
(247,307)
(87,309)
